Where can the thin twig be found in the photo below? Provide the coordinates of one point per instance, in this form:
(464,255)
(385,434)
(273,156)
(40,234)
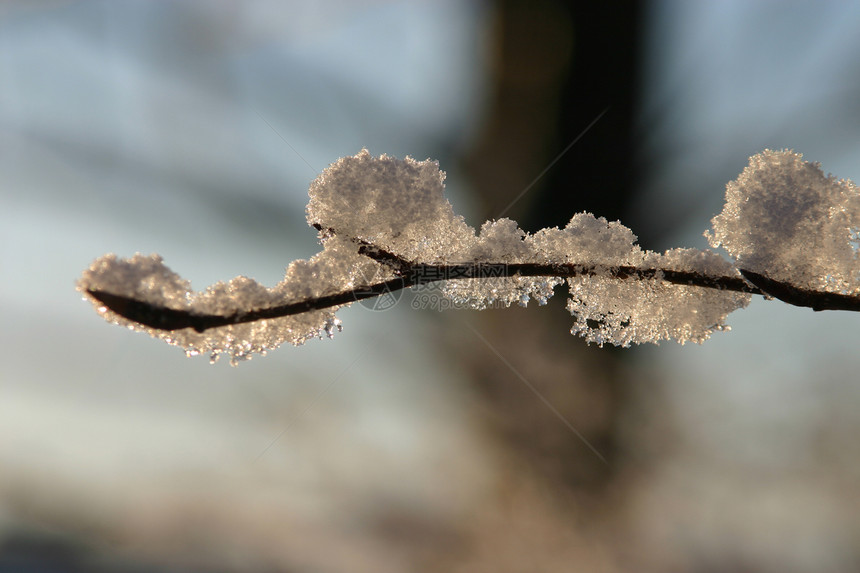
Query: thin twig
(412,274)
(816,300)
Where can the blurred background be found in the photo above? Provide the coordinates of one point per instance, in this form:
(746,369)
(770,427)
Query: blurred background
(416,440)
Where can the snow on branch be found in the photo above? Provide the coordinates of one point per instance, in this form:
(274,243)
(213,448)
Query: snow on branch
(384,225)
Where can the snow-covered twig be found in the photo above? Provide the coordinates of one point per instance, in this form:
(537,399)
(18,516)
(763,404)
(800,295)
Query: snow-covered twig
(385,225)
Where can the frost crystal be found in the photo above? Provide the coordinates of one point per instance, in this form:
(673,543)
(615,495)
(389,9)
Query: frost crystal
(395,204)
(145,278)
(624,312)
(788,221)
(607,309)
(500,242)
(385,223)
(586,240)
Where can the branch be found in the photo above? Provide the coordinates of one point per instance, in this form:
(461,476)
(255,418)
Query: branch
(412,274)
(816,300)
(401,204)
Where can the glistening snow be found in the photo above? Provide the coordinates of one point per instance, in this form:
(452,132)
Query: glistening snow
(784,218)
(778,212)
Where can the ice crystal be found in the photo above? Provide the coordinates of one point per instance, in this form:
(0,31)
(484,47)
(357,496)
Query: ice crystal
(382,220)
(624,312)
(785,219)
(395,204)
(147,279)
(586,240)
(500,242)
(606,309)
